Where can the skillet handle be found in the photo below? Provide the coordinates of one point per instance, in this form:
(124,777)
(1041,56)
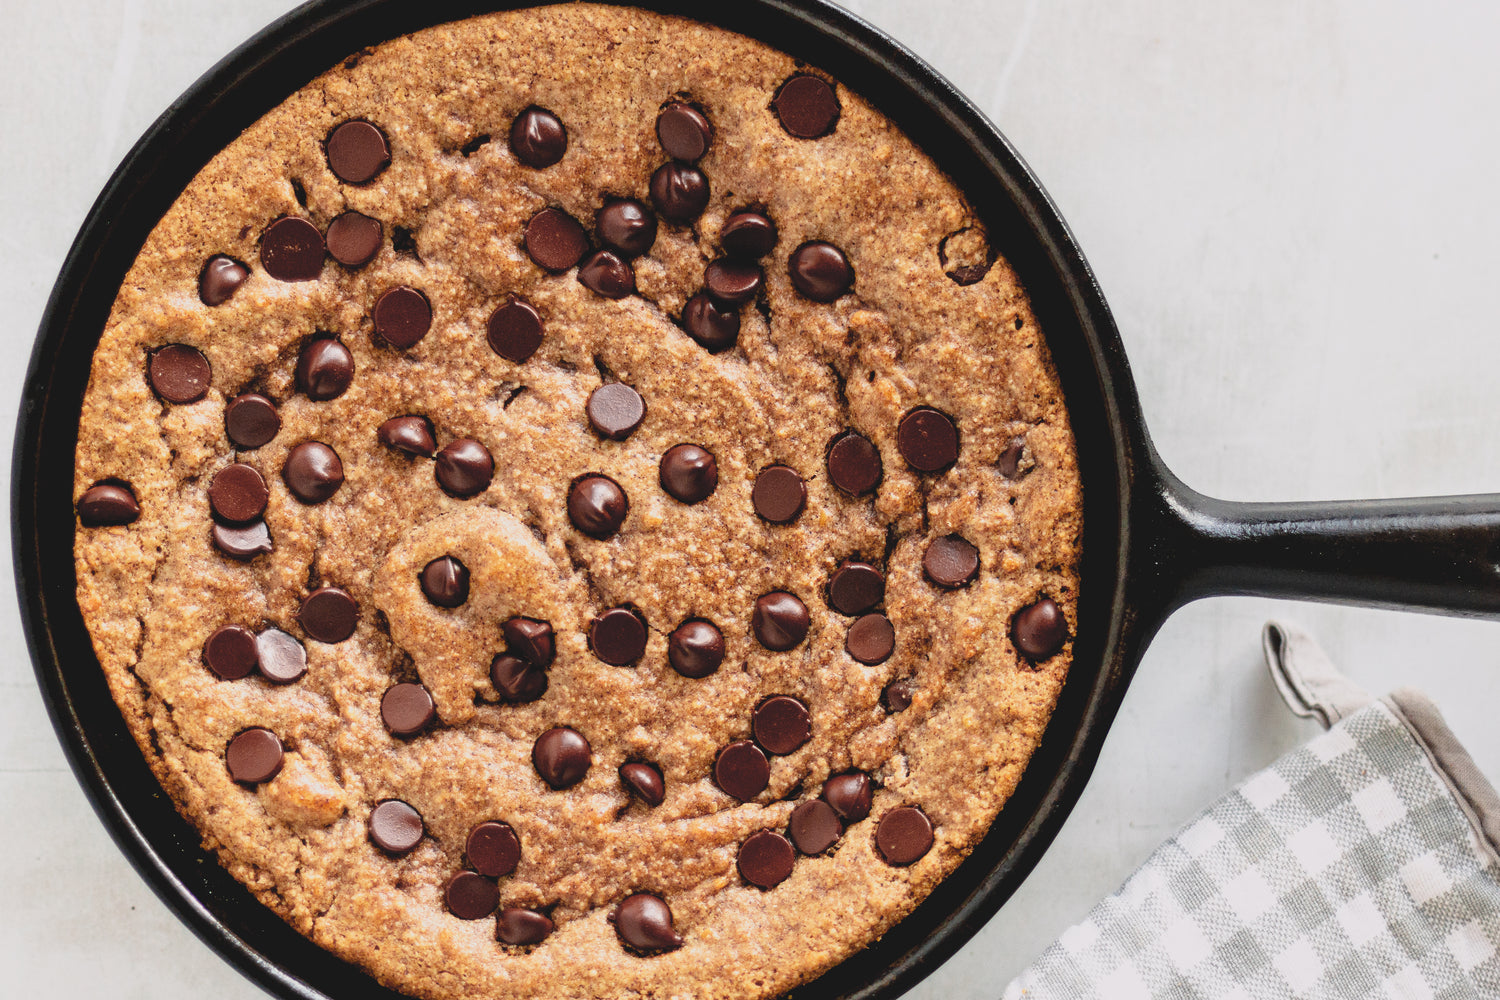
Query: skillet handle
(1434,554)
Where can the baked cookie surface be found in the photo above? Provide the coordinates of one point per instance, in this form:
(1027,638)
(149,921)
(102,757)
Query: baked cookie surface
(569,505)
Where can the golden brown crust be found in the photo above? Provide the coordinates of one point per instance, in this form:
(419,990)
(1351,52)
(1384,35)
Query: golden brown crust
(153,591)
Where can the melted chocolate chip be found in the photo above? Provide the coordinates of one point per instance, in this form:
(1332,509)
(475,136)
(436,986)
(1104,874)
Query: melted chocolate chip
(871,639)
(291,249)
(779,494)
(897,695)
(515,330)
(242,542)
(765,859)
(741,770)
(927,439)
(807,106)
(597,506)
(230,653)
(644,922)
(357,152)
(605,273)
(1039,630)
(105,504)
(538,138)
(407,709)
(237,494)
(179,373)
(615,410)
(555,240)
(618,637)
(781,724)
(470,896)
(645,782)
(464,468)
(325,369)
(626,226)
(395,827)
(820,271)
(855,587)
(695,648)
(521,928)
(951,562)
(354,239)
(282,658)
(493,849)
(748,234)
(714,329)
(679,192)
(733,282)
(251,420)
(313,472)
(402,317)
(530,639)
(412,435)
(903,835)
(850,795)
(445,582)
(814,827)
(254,756)
(780,620)
(329,614)
(516,680)
(689,473)
(562,757)
(1009,462)
(683,131)
(854,464)
(220,278)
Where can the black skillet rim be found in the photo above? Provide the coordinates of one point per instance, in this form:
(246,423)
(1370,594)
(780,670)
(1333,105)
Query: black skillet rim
(1025,227)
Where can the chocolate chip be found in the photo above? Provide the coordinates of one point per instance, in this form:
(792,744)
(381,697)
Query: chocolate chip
(531,640)
(237,494)
(412,435)
(780,620)
(470,896)
(766,859)
(820,271)
(732,282)
(554,240)
(515,330)
(897,695)
(807,106)
(626,226)
(689,473)
(516,680)
(683,131)
(179,373)
(814,827)
(615,410)
(329,614)
(604,273)
(855,587)
(445,582)
(850,795)
(325,369)
(105,504)
(903,835)
(644,922)
(951,561)
(313,472)
(402,317)
(679,192)
(741,769)
(251,420)
(714,329)
(1039,630)
(695,648)
(871,639)
(357,152)
(1009,462)
(220,278)
(519,927)
(242,542)
(395,827)
(854,464)
(464,468)
(645,782)
(354,239)
(407,709)
(969,274)
(291,249)
(230,652)
(282,658)
(493,849)
(253,756)
(781,724)
(748,234)
(597,506)
(618,637)
(927,439)
(562,757)
(538,138)
(779,494)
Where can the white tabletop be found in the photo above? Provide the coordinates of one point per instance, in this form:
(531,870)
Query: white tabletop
(1291,207)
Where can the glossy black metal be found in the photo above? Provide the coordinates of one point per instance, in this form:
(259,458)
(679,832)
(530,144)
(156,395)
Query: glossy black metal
(1150,543)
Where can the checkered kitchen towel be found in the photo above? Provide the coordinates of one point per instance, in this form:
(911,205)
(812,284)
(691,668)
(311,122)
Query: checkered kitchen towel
(1363,864)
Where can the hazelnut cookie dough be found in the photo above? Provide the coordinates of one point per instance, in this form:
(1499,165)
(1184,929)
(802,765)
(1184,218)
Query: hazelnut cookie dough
(570,505)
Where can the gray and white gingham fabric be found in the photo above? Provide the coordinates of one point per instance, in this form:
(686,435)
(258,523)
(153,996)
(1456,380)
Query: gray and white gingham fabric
(1352,867)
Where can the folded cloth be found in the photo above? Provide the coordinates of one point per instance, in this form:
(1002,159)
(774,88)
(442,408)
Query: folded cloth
(1363,864)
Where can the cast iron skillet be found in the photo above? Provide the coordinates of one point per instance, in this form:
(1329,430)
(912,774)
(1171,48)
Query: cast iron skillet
(1150,543)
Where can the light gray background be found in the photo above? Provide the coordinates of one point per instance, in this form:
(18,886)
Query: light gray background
(1290,205)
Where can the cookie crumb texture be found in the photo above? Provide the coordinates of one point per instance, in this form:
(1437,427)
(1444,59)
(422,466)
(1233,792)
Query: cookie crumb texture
(496,680)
